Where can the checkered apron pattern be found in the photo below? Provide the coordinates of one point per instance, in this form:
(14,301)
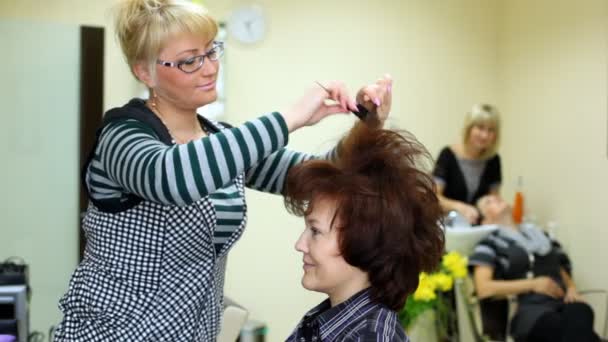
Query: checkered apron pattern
(151,273)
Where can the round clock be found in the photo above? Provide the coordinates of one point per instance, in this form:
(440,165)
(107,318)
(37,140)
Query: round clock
(247,24)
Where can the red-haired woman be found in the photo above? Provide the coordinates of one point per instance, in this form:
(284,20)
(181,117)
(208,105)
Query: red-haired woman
(371,226)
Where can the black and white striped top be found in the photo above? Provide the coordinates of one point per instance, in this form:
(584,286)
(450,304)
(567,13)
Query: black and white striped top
(510,260)
(130,160)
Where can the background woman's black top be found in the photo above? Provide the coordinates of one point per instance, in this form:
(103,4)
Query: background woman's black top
(448,172)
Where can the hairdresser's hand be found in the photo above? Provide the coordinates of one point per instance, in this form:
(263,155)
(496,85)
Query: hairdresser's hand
(313,106)
(377,97)
(469,212)
(547,286)
(573,296)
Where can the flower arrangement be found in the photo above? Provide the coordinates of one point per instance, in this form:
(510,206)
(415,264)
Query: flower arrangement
(434,293)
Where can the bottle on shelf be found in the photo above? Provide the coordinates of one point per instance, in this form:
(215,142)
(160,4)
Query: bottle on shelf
(518,203)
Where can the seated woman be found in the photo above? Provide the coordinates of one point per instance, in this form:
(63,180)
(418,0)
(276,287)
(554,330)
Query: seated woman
(521,260)
(371,227)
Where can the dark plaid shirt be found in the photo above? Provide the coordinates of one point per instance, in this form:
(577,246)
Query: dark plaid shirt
(356,319)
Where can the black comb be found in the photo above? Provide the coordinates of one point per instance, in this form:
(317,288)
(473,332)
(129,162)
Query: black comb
(362,112)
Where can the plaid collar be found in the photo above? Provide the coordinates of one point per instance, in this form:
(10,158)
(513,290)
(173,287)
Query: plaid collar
(323,320)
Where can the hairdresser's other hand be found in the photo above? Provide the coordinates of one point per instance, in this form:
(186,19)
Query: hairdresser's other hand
(469,212)
(377,97)
(314,106)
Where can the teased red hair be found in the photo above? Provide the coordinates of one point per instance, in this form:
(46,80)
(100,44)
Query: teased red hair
(387,211)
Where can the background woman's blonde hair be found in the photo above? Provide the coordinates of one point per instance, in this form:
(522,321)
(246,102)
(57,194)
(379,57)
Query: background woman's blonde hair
(144,26)
(482,114)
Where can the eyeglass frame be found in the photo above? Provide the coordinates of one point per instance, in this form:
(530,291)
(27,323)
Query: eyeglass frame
(178,64)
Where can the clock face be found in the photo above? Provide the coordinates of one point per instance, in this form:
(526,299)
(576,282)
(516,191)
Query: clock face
(247,24)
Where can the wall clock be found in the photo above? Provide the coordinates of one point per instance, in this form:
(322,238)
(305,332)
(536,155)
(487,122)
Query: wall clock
(247,24)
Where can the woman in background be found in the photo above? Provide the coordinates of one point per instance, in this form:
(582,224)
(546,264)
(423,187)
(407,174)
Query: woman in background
(470,169)
(522,260)
(371,226)
(166,186)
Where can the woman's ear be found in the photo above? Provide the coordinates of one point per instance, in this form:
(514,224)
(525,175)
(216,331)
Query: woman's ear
(142,72)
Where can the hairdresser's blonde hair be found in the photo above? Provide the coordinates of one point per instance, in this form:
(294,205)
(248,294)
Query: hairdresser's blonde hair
(144,26)
(482,114)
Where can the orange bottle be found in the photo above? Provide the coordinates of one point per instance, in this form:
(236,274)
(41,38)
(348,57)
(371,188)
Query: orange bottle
(518,204)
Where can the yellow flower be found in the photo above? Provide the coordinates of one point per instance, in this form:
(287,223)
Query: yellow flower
(424,293)
(442,281)
(456,264)
(426,289)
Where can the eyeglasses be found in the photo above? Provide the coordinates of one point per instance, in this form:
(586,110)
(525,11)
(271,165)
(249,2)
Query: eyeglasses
(192,64)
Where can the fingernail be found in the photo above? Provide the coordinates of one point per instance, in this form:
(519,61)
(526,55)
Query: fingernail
(377,102)
(390,89)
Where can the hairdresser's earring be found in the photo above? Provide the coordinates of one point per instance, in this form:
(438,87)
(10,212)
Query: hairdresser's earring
(153,98)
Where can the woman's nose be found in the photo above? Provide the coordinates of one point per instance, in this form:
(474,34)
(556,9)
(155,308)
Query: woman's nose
(210,67)
(301,244)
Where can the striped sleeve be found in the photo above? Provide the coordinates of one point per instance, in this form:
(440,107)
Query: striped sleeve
(269,175)
(135,161)
(484,254)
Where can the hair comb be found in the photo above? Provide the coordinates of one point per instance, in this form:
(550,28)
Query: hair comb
(362,112)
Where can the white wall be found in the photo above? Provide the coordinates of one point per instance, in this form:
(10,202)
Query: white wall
(38,149)
(119,85)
